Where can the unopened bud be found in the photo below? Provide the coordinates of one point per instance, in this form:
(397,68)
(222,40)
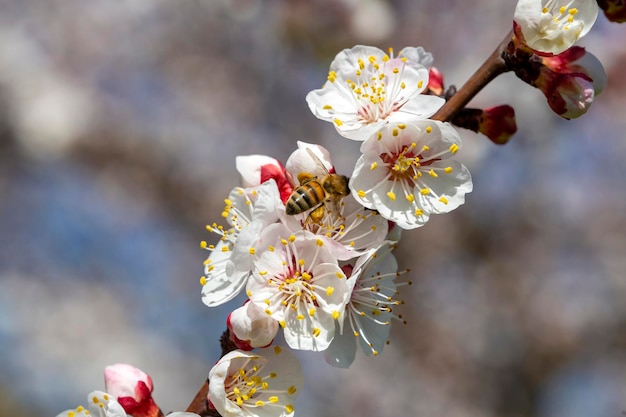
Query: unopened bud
(251,327)
(497,123)
(133,389)
(614,10)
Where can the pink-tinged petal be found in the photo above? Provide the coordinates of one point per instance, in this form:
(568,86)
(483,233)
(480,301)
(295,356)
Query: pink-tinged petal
(120,380)
(435,82)
(141,404)
(250,167)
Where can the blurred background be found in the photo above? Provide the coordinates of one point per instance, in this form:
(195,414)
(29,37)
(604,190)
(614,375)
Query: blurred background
(120,122)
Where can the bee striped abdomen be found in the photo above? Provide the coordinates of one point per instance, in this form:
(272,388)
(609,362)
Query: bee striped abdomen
(305,197)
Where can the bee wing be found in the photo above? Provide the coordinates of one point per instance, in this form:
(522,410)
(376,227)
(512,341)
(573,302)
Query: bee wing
(317,161)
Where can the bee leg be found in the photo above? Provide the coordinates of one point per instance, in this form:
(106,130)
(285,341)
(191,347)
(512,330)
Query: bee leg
(315,216)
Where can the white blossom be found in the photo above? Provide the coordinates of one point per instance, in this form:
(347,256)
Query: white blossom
(248,211)
(367,89)
(368,314)
(552,26)
(404,172)
(264,383)
(298,282)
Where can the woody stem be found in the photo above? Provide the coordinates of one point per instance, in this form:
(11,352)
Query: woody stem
(488,71)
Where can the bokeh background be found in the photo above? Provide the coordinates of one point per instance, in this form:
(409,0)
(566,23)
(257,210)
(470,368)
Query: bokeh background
(119,125)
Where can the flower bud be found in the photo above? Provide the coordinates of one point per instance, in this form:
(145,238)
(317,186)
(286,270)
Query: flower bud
(250,327)
(497,123)
(614,10)
(133,389)
(257,169)
(435,82)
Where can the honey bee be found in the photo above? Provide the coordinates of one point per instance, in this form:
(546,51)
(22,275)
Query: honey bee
(315,192)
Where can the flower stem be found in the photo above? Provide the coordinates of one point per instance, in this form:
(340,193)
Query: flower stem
(488,71)
(199,403)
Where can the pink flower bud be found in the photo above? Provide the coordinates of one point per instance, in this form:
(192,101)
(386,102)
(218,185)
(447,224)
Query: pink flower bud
(250,327)
(435,82)
(497,123)
(614,10)
(133,389)
(257,169)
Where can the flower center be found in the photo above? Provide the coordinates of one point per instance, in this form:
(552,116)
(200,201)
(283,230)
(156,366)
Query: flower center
(404,165)
(243,385)
(377,87)
(565,16)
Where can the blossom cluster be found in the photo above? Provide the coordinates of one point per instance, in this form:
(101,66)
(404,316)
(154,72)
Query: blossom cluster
(312,249)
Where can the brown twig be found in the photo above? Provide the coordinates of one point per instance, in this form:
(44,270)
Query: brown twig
(488,71)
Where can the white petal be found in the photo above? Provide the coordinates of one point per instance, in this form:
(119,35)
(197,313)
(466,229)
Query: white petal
(342,350)
(417,55)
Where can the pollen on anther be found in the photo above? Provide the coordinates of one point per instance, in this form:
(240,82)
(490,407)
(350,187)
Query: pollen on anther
(335,315)
(410,197)
(277,350)
(203,280)
(447,170)
(454,148)
(391,195)
(432,173)
(374,165)
(420,84)
(203,244)
(319,242)
(394,132)
(327,107)
(338,122)
(361,193)
(443,200)
(429,129)
(252,251)
(425,191)
(225,249)
(330,291)
(289,408)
